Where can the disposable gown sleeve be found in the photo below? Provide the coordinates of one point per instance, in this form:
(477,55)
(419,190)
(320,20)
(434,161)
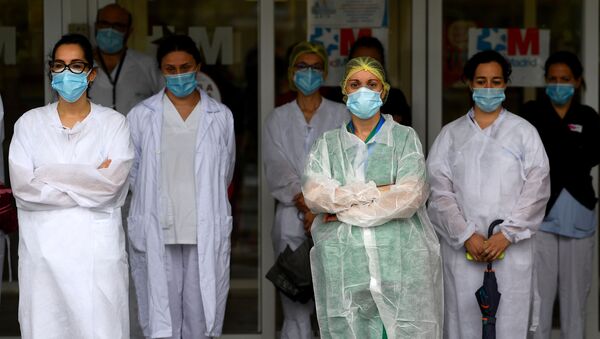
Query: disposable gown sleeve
(283,181)
(324,194)
(89,186)
(529,210)
(31,193)
(443,210)
(404,197)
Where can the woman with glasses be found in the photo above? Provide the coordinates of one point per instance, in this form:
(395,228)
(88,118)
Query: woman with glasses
(485,166)
(68,164)
(180,222)
(376,263)
(565,244)
(288,134)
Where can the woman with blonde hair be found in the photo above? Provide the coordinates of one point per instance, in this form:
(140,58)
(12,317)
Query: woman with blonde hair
(376,265)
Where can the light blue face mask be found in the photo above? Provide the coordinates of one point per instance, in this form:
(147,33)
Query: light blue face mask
(110,40)
(70,86)
(364,103)
(181,85)
(488,99)
(308,80)
(560,94)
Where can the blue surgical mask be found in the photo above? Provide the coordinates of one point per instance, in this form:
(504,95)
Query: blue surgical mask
(364,103)
(488,99)
(110,40)
(308,80)
(70,86)
(183,84)
(560,93)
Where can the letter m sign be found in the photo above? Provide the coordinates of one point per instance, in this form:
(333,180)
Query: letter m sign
(523,41)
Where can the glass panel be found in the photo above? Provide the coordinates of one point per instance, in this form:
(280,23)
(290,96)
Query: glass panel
(22,78)
(562,19)
(226,33)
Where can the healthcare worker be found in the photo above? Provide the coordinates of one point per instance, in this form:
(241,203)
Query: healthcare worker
(125,77)
(180,217)
(565,244)
(376,263)
(489,164)
(69,163)
(288,134)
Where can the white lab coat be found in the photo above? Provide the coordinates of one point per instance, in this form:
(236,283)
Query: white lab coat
(140,78)
(287,140)
(72,261)
(476,177)
(214,164)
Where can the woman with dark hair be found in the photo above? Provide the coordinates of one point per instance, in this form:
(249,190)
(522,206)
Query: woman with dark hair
(180,217)
(565,244)
(69,162)
(487,165)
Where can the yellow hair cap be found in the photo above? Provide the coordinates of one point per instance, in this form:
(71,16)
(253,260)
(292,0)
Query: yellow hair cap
(365,64)
(305,47)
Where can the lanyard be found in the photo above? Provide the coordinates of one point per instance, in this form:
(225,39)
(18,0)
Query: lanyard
(110,79)
(350,128)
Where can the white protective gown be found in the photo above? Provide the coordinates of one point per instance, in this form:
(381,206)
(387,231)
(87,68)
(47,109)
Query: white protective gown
(140,78)
(72,260)
(476,177)
(213,166)
(287,141)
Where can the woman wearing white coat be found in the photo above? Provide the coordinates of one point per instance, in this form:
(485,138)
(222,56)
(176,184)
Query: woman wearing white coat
(180,216)
(489,164)
(289,132)
(68,163)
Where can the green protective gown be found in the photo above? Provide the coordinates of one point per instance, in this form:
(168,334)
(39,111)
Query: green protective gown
(378,268)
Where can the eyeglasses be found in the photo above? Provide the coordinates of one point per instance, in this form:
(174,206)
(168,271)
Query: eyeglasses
(119,26)
(302,65)
(76,67)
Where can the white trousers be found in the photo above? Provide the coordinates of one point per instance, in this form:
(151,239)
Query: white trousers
(296,319)
(185,298)
(565,265)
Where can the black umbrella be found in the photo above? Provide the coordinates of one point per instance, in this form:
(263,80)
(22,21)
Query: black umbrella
(488,295)
(291,273)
